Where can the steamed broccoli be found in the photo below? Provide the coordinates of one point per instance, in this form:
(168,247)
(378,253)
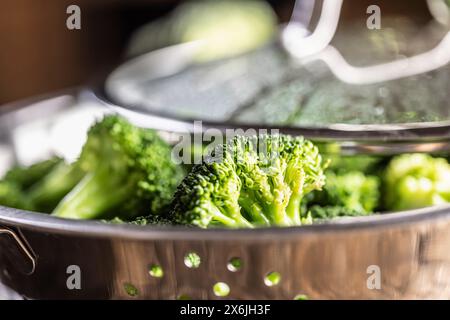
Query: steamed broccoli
(12,196)
(249,182)
(46,193)
(353,191)
(25,177)
(154,220)
(16,183)
(328,212)
(347,194)
(416,181)
(126,171)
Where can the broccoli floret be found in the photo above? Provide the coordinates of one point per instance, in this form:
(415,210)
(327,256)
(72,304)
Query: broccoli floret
(46,193)
(143,221)
(353,191)
(249,182)
(416,181)
(126,171)
(12,196)
(318,213)
(25,177)
(18,181)
(152,220)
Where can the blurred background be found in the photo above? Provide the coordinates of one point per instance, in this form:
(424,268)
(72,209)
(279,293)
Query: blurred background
(38,54)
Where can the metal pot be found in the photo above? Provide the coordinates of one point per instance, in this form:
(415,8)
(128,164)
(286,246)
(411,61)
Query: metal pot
(390,256)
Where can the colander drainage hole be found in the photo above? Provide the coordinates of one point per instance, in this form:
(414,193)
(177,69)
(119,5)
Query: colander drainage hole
(156,271)
(235,264)
(221,289)
(131,290)
(272,279)
(192,260)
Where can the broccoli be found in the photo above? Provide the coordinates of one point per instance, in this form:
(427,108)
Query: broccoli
(143,221)
(416,181)
(46,193)
(12,196)
(353,191)
(125,170)
(152,220)
(25,177)
(16,183)
(319,213)
(250,182)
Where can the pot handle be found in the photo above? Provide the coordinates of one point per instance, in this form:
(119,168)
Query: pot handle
(22,244)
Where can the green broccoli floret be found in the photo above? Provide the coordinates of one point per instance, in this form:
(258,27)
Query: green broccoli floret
(353,191)
(12,196)
(318,212)
(416,181)
(17,182)
(25,177)
(143,221)
(46,193)
(152,220)
(250,182)
(127,172)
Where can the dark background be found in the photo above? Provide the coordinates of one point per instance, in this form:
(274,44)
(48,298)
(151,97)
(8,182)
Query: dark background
(38,54)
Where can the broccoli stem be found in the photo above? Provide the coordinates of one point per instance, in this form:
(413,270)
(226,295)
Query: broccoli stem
(293,209)
(96,194)
(255,211)
(235,221)
(47,193)
(280,217)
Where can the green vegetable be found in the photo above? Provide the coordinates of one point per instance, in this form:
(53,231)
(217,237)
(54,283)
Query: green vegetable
(353,191)
(126,170)
(15,185)
(53,187)
(158,220)
(416,181)
(318,212)
(12,196)
(25,177)
(250,182)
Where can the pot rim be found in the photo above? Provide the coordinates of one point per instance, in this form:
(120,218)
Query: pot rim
(98,229)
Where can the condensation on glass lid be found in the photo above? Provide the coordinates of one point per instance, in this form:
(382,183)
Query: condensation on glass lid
(423,98)
(266,87)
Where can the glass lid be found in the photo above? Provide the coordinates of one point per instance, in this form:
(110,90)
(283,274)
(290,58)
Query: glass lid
(270,86)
